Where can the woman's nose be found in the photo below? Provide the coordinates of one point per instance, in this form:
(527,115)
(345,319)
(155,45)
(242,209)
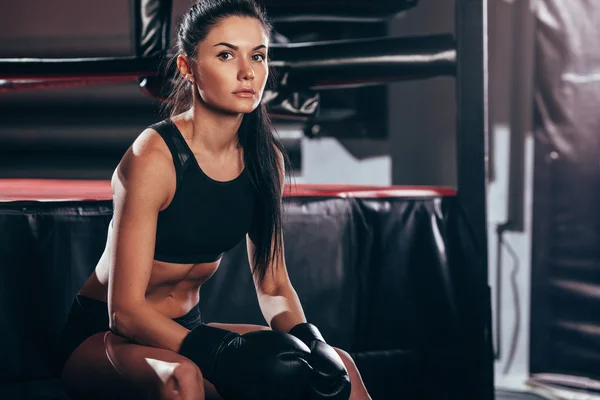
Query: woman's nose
(246,72)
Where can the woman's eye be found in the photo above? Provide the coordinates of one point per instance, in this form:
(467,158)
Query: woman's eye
(262,57)
(223,54)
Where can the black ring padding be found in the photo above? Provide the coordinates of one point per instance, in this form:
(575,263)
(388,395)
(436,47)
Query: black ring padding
(299,66)
(151,26)
(275,8)
(57,68)
(330,18)
(340,63)
(413,50)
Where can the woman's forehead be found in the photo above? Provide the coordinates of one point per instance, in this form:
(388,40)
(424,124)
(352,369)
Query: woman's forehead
(238,31)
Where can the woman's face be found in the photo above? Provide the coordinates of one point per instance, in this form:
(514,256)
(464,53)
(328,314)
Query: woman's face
(232,58)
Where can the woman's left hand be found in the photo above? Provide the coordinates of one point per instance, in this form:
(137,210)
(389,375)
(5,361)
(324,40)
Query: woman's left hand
(330,377)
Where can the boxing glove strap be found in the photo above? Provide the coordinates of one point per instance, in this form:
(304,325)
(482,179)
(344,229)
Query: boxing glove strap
(203,344)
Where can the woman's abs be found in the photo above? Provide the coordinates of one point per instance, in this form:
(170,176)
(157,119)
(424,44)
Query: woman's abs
(173,289)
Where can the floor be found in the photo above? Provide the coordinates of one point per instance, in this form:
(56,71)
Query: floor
(510,395)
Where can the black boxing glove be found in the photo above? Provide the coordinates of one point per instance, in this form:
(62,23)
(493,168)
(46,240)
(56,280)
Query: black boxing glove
(330,378)
(257,365)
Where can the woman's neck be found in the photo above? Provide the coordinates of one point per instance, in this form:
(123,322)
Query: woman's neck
(214,131)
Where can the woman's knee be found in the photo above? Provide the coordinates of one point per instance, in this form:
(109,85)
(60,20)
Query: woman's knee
(129,368)
(188,371)
(346,358)
(180,380)
(343,353)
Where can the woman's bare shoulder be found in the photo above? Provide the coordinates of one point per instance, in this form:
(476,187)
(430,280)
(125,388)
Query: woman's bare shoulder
(147,164)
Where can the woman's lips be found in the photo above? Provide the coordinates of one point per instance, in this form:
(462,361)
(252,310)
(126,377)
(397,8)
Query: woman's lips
(244,94)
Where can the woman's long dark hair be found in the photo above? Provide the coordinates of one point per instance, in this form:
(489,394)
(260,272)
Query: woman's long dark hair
(262,149)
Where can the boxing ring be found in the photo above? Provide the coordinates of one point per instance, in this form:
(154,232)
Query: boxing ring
(397,276)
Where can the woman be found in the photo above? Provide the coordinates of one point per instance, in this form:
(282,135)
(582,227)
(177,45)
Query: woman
(187,190)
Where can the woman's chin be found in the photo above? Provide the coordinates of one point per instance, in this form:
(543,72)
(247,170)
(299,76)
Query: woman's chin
(243,109)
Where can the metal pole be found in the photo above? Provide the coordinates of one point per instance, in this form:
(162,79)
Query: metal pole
(472,159)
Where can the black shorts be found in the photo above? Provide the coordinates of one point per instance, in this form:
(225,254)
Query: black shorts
(89,316)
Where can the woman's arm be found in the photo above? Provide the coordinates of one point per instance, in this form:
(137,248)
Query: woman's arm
(140,188)
(277,298)
(281,308)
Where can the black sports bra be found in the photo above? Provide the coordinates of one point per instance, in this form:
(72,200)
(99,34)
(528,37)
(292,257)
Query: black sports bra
(206,217)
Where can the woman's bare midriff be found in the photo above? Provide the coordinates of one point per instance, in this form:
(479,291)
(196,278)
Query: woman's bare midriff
(173,289)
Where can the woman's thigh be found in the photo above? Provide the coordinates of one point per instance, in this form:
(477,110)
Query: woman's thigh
(109,366)
(239,328)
